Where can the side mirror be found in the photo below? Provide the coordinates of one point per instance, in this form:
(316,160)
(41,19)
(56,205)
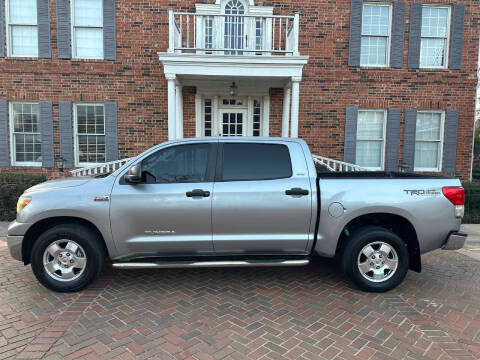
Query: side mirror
(134,175)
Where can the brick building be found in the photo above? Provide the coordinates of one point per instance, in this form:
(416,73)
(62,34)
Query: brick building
(379,83)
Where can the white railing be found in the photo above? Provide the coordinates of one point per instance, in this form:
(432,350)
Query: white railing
(100,168)
(233,34)
(336,165)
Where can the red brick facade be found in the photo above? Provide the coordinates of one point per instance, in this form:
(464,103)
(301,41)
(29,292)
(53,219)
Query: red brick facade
(137,83)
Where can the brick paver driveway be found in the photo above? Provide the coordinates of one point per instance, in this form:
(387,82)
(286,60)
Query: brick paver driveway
(294,313)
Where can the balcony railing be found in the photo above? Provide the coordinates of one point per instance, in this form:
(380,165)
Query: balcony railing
(233,34)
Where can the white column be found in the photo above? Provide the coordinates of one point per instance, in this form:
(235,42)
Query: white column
(171,106)
(179,112)
(266,116)
(295,106)
(287,93)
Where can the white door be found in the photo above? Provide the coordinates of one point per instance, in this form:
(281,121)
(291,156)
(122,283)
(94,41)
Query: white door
(232,122)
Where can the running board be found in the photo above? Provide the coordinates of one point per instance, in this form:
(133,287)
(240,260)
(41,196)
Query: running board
(208,264)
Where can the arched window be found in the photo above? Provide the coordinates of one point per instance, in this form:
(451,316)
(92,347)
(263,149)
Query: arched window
(234,37)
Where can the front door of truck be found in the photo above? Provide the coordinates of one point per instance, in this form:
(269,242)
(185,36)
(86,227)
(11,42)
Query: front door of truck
(170,213)
(262,200)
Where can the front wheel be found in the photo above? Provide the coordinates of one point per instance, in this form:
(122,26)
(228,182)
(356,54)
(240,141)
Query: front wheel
(375,259)
(67,258)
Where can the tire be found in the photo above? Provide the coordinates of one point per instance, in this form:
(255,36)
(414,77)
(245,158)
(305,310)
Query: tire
(388,250)
(67,257)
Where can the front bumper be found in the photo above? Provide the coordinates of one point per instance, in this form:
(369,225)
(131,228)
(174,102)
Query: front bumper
(455,241)
(15,246)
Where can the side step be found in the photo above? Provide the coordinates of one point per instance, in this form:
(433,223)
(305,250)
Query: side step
(209,264)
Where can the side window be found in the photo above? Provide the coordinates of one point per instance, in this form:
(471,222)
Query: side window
(177,164)
(87,29)
(429,141)
(22,29)
(90,133)
(371,129)
(435,37)
(256,162)
(26,139)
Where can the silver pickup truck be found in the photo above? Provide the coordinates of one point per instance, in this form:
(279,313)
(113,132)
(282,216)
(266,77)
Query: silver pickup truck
(219,202)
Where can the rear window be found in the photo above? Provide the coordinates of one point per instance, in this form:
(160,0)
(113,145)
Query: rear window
(256,162)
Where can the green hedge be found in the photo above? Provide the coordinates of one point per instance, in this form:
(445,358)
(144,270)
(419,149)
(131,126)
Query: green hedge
(12,185)
(472,203)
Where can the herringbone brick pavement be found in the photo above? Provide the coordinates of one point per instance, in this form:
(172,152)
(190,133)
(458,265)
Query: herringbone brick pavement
(291,313)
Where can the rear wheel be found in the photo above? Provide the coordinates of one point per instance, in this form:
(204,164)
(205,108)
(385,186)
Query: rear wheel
(67,258)
(375,259)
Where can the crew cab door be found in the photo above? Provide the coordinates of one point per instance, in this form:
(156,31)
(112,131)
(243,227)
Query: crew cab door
(170,211)
(261,199)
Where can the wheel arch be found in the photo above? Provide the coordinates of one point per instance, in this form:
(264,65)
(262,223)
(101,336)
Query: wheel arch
(42,225)
(395,223)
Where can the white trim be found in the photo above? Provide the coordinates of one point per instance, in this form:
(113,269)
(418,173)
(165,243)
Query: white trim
(75,135)
(13,154)
(199,115)
(9,32)
(388,36)
(447,39)
(383,140)
(72,33)
(266,116)
(441,143)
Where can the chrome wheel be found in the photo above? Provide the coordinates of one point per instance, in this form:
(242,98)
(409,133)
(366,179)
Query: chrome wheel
(64,260)
(378,261)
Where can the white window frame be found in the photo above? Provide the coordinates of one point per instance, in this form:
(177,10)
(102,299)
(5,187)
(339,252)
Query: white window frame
(447,39)
(9,33)
(389,36)
(384,140)
(13,152)
(75,135)
(441,145)
(72,31)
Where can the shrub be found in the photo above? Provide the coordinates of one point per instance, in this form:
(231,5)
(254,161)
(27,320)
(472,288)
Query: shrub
(12,185)
(472,203)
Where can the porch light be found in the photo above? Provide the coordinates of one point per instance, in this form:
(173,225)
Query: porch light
(233,89)
(60,162)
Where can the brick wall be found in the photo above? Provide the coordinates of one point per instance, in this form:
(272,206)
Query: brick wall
(135,80)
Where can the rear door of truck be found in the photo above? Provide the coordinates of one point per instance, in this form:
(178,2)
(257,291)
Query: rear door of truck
(261,199)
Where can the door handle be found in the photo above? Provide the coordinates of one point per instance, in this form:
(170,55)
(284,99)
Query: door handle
(297,191)
(198,193)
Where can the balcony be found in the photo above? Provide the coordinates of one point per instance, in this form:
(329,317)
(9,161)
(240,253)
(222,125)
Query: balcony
(233,34)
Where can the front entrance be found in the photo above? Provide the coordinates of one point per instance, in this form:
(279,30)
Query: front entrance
(232,116)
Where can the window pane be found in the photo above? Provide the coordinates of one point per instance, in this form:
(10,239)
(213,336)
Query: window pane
(89,43)
(24,41)
(88,13)
(428,126)
(178,164)
(91,148)
(369,154)
(426,155)
(90,119)
(432,52)
(373,51)
(256,162)
(375,20)
(370,125)
(28,148)
(434,21)
(23,12)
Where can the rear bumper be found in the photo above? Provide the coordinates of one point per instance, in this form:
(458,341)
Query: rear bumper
(455,241)
(15,246)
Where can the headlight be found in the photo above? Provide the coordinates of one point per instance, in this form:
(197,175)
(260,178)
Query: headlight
(23,201)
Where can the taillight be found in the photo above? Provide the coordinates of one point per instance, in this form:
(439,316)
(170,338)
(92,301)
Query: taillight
(456,195)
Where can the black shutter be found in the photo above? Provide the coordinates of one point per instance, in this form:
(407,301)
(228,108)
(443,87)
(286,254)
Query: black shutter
(43,18)
(393,139)
(63,29)
(109,30)
(46,129)
(409,138)
(2,27)
(66,132)
(4,161)
(356,8)
(451,135)
(456,48)
(398,34)
(350,150)
(415,38)
(111,131)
